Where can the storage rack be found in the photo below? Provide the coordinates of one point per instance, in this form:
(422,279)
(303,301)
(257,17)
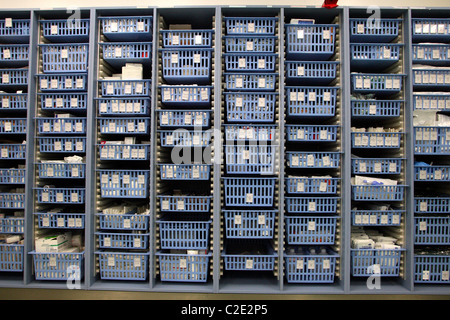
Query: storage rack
(338,153)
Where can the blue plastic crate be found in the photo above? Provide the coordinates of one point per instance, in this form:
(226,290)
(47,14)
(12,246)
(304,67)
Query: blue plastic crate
(185,138)
(184,203)
(249,257)
(14,78)
(251,159)
(378,192)
(129,125)
(128,221)
(123,265)
(65,30)
(431,101)
(185,171)
(187,66)
(378,140)
(430,29)
(377,165)
(311,185)
(310,268)
(12,151)
(14,55)
(124,183)
(64,57)
(254,107)
(70,125)
(311,133)
(249,224)
(71,102)
(250,43)
(125,88)
(11,257)
(250,25)
(379,83)
(431,79)
(60,195)
(13,101)
(373,30)
(374,56)
(244,192)
(380,262)
(117,54)
(432,204)
(312,205)
(62,144)
(320,230)
(12,225)
(124,151)
(127,28)
(310,41)
(186,96)
(432,230)
(12,200)
(179,267)
(251,81)
(69,82)
(431,54)
(188,119)
(13,126)
(299,159)
(377,217)
(61,170)
(187,38)
(58,265)
(256,133)
(14,30)
(12,176)
(374,109)
(431,268)
(311,72)
(250,62)
(431,140)
(431,172)
(311,101)
(109,240)
(60,220)
(184,234)
(123,106)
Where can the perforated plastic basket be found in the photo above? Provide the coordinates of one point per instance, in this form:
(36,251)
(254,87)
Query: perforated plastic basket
(13,101)
(431,101)
(378,192)
(187,66)
(185,171)
(430,29)
(11,257)
(431,173)
(244,192)
(184,234)
(61,170)
(250,43)
(185,138)
(124,183)
(187,38)
(431,140)
(12,225)
(311,185)
(178,267)
(63,101)
(125,88)
(64,57)
(62,144)
(123,221)
(124,151)
(12,176)
(184,203)
(432,230)
(250,25)
(311,133)
(123,106)
(260,257)
(432,268)
(376,217)
(66,30)
(70,125)
(380,262)
(374,56)
(308,268)
(13,126)
(117,54)
(127,28)
(249,224)
(60,220)
(298,159)
(12,200)
(130,125)
(431,54)
(312,204)
(310,41)
(12,151)
(255,133)
(60,195)
(250,62)
(310,229)
(184,118)
(123,265)
(311,72)
(379,140)
(241,81)
(253,107)
(62,82)
(432,204)
(14,78)
(250,159)
(377,165)
(186,96)
(14,30)
(372,109)
(58,265)
(311,101)
(109,240)
(431,79)
(380,83)
(14,55)
(373,30)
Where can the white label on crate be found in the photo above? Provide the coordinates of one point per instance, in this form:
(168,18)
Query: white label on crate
(423,226)
(198,119)
(360,28)
(388,83)
(326,161)
(326,264)
(261,219)
(366,83)
(311,264)
(327,96)
(67,127)
(175,40)
(204,94)
(261,63)
(250,46)
(139,88)
(115,178)
(386,53)
(384,219)
(246,154)
(440,78)
(326,34)
(68,83)
(197,58)
(373,219)
(293,96)
(5,78)
(422,174)
(426,28)
(261,82)
(165,205)
(126,179)
(418,28)
(249,198)
(447,78)
(311,226)
(75,172)
(169,139)
(6,54)
(396,83)
(169,171)
(300,186)
(323,134)
(310,160)
(58,146)
(44,84)
(436,54)
(248,264)
(78,222)
(241,133)
(8,126)
(294,161)
(46,222)
(241,63)
(395,219)
(239,101)
(196,140)
(53,84)
(441,28)
(136,243)
(167,95)
(364,140)
(300,71)
(420,53)
(445,275)
(141,179)
(392,167)
(238,82)
(59,197)
(362,166)
(365,219)
(358,83)
(299,264)
(261,102)
(373,140)
(250,27)
(438,175)
(8,23)
(433,28)
(126,223)
(237,219)
(134,107)
(74,197)
(198,39)
(80,83)
(250,133)
(312,96)
(380,140)
(122,107)
(433,78)
(301,96)
(196,173)
(111,262)
(180,205)
(323,186)
(358,219)
(187,118)
(141,126)
(423,206)
(67,146)
(50,172)
(79,146)
(174,58)
(44,197)
(425,275)
(5,103)
(425,78)
(377,167)
(118,52)
(185,95)
(300,34)
(373,109)
(113,27)
(312,206)
(74,102)
(127,89)
(300,134)
(64,54)
(111,127)
(182,263)
(107,242)
(109,89)
(60,222)
(52,261)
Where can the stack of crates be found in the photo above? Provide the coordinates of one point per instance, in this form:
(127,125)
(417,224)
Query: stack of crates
(14,57)
(431,103)
(312,140)
(184,163)
(377,102)
(251,84)
(61,128)
(123,110)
